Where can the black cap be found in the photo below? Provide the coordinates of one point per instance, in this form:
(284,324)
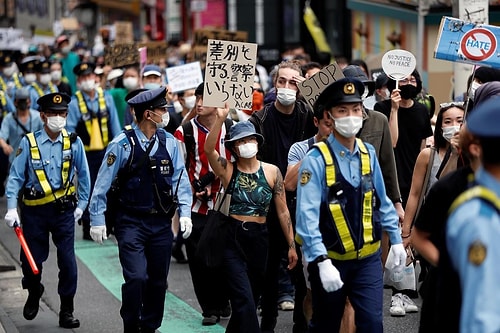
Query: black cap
(487,74)
(84,68)
(6,60)
(381,80)
(54,102)
(29,64)
(346,90)
(43,67)
(149,99)
(357,72)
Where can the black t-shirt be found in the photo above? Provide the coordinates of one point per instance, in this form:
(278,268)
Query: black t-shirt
(414,125)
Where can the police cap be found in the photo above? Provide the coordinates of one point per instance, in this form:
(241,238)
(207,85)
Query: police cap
(346,90)
(43,67)
(53,102)
(29,64)
(6,60)
(149,99)
(84,68)
(484,120)
(357,72)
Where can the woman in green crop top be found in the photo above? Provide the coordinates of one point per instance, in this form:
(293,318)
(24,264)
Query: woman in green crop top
(255,184)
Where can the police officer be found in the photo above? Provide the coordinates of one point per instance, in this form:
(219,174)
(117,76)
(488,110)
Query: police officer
(43,84)
(43,173)
(153,184)
(93,116)
(10,79)
(473,228)
(340,225)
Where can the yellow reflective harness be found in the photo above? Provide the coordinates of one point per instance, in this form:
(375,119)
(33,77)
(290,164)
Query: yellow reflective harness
(369,247)
(479,192)
(88,117)
(40,91)
(3,101)
(49,194)
(17,82)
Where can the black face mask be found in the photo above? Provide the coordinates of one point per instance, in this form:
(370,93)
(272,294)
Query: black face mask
(408,91)
(22,105)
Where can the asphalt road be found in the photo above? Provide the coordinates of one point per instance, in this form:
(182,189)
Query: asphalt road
(97,302)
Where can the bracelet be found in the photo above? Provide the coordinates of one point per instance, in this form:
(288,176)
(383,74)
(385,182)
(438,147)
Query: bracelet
(407,236)
(291,245)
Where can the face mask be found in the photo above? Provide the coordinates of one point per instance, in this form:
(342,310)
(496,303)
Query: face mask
(22,104)
(387,93)
(30,78)
(190,102)
(151,86)
(177,107)
(348,126)
(45,79)
(449,131)
(286,96)
(165,118)
(66,49)
(473,89)
(9,71)
(56,123)
(365,93)
(87,85)
(248,150)
(56,76)
(130,83)
(408,91)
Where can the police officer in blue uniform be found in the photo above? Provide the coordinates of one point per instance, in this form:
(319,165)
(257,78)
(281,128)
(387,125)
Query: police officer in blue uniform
(43,174)
(473,228)
(153,184)
(342,208)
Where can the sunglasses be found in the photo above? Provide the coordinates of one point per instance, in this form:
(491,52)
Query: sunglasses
(450,104)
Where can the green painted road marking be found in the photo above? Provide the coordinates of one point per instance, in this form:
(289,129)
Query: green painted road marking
(103,262)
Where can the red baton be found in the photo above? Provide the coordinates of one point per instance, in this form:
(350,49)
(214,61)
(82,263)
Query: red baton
(26,249)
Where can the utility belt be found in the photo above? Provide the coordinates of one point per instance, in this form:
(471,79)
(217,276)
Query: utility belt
(62,200)
(366,251)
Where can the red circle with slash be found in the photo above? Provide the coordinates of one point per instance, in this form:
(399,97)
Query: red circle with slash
(478,44)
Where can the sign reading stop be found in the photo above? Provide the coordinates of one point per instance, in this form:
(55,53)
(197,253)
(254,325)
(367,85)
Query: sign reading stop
(478,44)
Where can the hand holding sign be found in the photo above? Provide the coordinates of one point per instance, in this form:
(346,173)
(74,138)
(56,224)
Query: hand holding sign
(398,64)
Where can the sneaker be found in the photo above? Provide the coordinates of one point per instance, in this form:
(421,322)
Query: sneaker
(210,320)
(397,307)
(286,306)
(408,304)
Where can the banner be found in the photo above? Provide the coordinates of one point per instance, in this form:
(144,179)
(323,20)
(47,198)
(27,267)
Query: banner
(119,55)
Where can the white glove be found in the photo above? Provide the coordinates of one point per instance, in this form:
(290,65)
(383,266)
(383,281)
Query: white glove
(78,214)
(186,226)
(330,276)
(12,217)
(98,233)
(399,253)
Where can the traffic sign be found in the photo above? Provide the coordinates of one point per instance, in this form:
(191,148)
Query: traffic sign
(478,44)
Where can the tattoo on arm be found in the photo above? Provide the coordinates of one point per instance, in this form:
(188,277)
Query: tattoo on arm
(279,186)
(223,162)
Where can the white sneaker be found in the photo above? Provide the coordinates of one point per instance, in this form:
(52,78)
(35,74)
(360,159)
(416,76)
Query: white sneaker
(397,307)
(286,306)
(409,305)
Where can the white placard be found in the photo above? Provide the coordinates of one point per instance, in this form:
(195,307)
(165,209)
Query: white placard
(11,39)
(184,77)
(398,64)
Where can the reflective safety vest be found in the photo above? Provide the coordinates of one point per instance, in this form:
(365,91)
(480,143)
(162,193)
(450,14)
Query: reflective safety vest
(345,247)
(17,82)
(49,194)
(479,192)
(3,103)
(87,116)
(40,91)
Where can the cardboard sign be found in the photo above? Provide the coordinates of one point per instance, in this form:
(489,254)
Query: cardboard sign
(466,42)
(120,55)
(312,87)
(201,37)
(156,50)
(123,32)
(229,74)
(398,64)
(184,77)
(11,39)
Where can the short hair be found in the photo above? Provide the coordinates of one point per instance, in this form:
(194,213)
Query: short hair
(310,65)
(293,64)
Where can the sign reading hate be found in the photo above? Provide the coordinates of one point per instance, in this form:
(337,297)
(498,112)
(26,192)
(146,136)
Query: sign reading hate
(229,74)
(312,87)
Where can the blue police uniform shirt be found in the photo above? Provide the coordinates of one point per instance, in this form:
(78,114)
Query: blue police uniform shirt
(309,197)
(9,105)
(12,132)
(121,149)
(472,239)
(74,113)
(11,83)
(34,95)
(51,156)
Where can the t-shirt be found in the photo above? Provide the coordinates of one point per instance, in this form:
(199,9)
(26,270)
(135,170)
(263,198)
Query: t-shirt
(414,125)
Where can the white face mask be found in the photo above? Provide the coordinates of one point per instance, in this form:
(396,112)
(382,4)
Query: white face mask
(177,106)
(473,89)
(190,102)
(130,83)
(30,78)
(56,76)
(56,123)
(45,79)
(87,85)
(165,118)
(66,49)
(348,126)
(387,93)
(151,85)
(9,71)
(286,96)
(449,131)
(248,150)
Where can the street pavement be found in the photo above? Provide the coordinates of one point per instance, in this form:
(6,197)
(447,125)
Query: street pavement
(97,302)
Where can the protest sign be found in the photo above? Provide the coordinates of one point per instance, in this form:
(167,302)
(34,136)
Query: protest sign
(184,77)
(11,39)
(229,74)
(201,37)
(312,87)
(398,64)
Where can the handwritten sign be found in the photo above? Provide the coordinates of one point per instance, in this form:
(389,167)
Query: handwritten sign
(398,64)
(11,39)
(229,74)
(120,55)
(156,50)
(201,37)
(123,32)
(184,77)
(311,88)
